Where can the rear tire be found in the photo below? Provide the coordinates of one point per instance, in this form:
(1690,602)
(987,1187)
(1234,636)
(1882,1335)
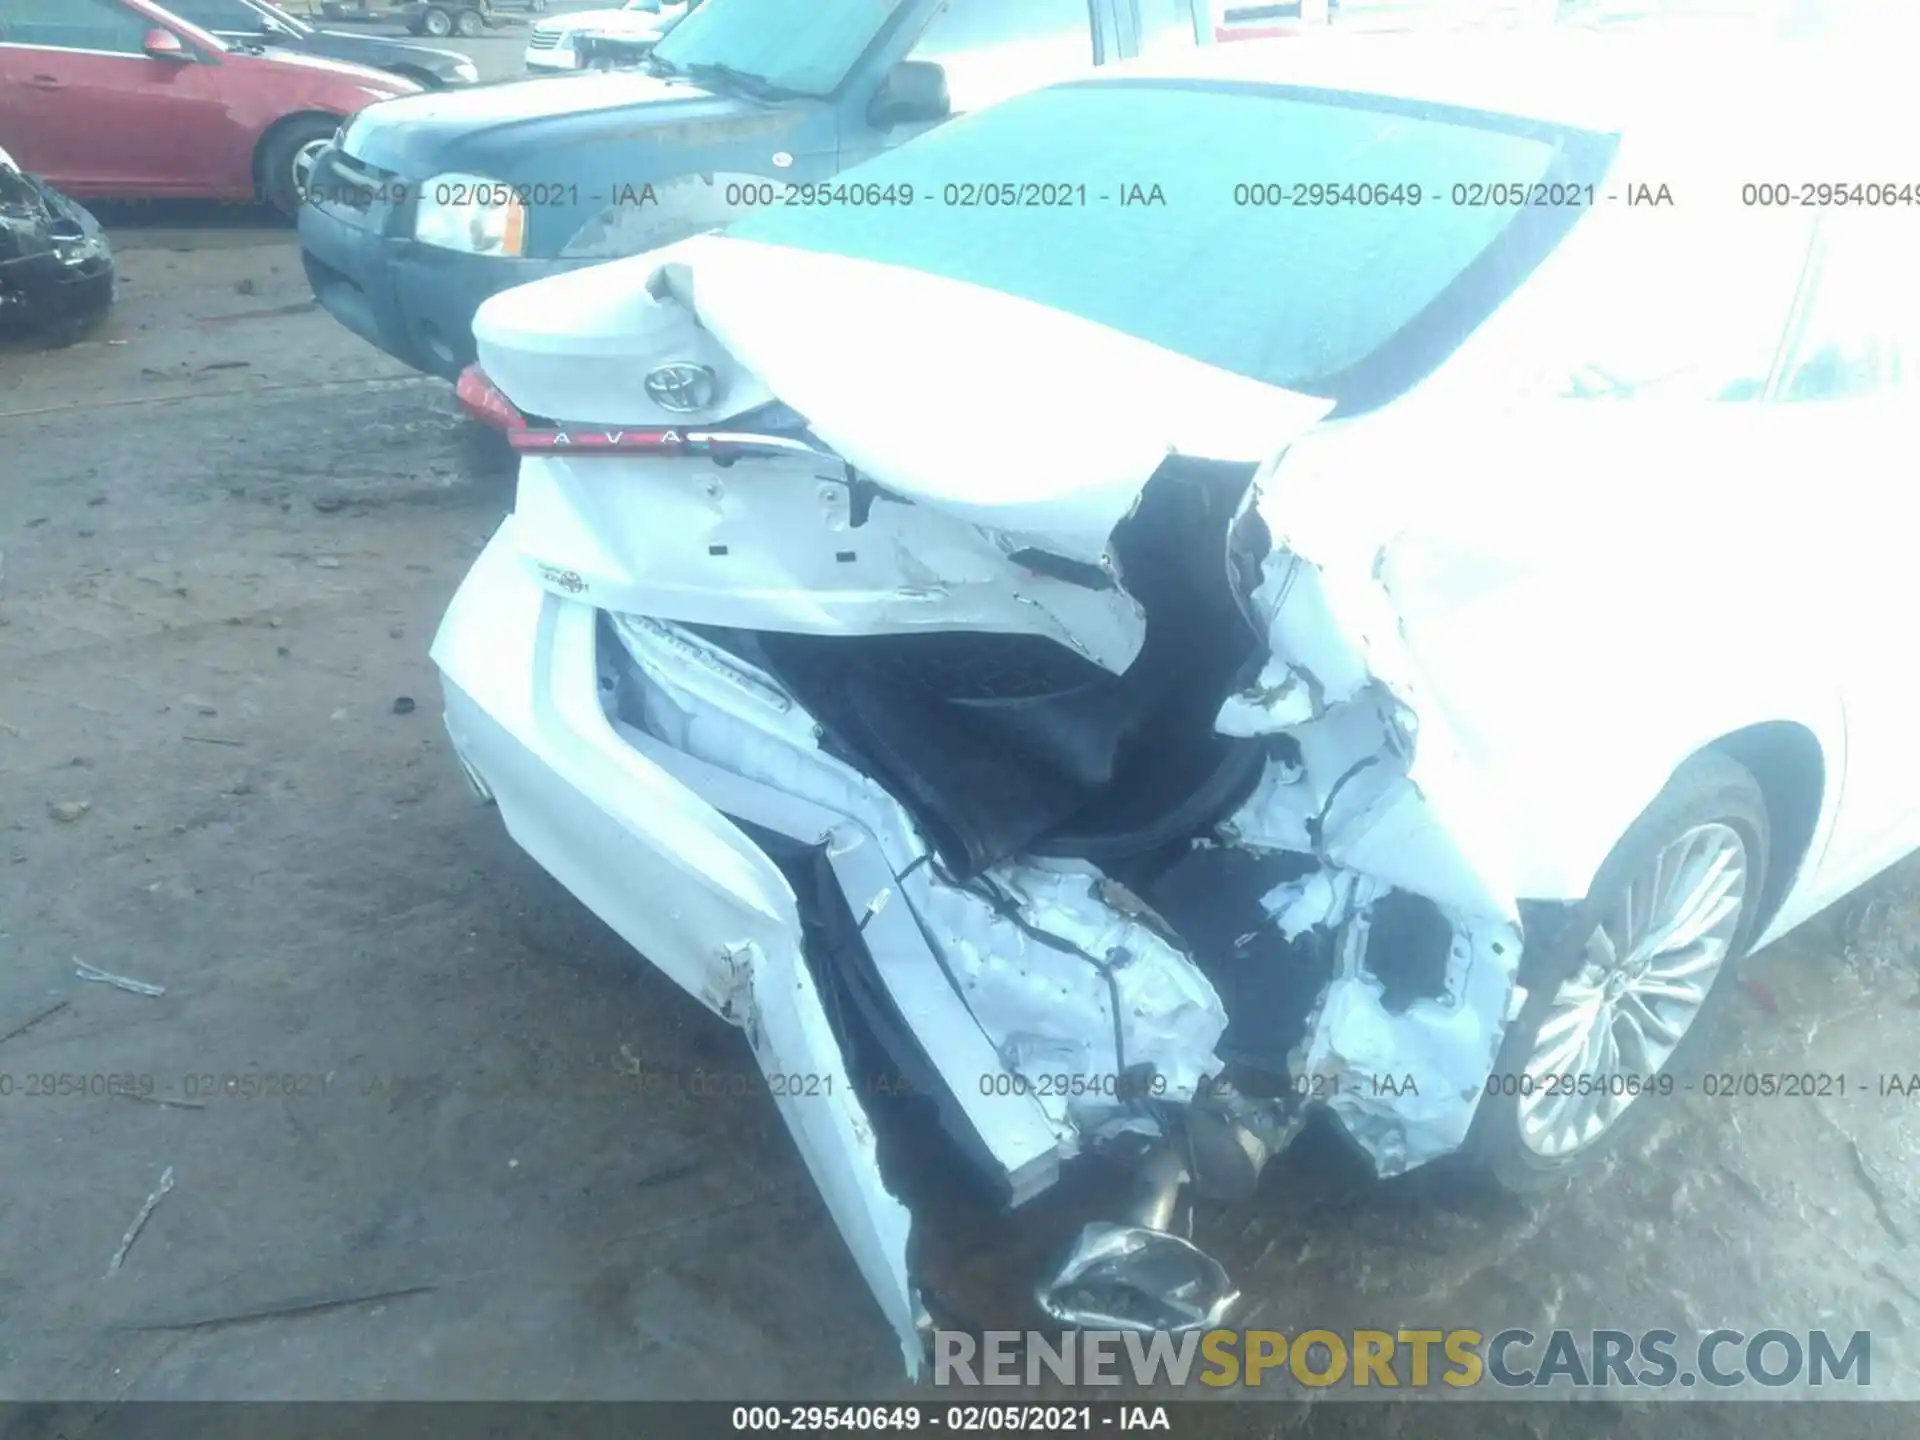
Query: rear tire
(1712,807)
(469,23)
(436,22)
(286,157)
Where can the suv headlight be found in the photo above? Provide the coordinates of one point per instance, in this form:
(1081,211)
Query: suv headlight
(471,213)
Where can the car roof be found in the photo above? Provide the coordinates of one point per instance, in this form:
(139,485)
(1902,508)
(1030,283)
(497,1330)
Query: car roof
(1714,83)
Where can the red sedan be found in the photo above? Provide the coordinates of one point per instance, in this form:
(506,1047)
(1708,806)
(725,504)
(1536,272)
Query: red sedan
(120,98)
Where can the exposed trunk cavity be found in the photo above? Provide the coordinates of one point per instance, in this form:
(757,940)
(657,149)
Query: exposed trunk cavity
(1131,836)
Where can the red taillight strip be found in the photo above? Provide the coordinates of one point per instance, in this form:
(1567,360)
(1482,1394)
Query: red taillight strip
(592,441)
(584,441)
(487,402)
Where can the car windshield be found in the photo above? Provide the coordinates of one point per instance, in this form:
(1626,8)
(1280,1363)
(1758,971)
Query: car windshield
(245,18)
(286,21)
(1176,213)
(803,49)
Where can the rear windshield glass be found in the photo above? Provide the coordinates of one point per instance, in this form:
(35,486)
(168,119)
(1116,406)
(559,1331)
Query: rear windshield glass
(1281,235)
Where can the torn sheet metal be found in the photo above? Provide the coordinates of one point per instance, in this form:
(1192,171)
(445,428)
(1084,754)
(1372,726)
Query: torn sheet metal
(1075,985)
(1026,943)
(1358,807)
(1378,791)
(1037,951)
(1009,1127)
(1405,1086)
(1309,664)
(1324,898)
(719,708)
(722,712)
(1400,798)
(782,543)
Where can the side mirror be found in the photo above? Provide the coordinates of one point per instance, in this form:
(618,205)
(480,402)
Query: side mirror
(914,91)
(165,45)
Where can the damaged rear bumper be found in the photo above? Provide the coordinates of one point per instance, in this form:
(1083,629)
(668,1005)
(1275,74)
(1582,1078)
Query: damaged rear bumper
(636,830)
(648,768)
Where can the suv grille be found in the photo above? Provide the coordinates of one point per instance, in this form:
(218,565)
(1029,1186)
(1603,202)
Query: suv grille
(340,183)
(543,39)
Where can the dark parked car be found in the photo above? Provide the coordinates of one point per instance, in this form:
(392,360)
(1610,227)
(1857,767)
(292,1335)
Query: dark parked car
(255,22)
(56,270)
(425,208)
(383,9)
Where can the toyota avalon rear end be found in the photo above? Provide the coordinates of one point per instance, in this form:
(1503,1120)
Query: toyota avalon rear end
(930,630)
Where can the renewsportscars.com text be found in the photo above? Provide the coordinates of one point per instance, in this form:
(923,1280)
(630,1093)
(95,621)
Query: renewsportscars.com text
(1457,1358)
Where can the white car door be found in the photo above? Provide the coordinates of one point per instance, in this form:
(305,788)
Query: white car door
(1843,406)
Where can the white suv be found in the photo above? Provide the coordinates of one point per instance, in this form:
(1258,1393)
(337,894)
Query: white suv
(551,46)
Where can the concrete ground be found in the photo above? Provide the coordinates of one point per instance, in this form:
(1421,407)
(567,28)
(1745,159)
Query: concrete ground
(393,1070)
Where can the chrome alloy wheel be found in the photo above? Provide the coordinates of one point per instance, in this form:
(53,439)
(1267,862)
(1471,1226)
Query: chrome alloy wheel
(1644,975)
(303,162)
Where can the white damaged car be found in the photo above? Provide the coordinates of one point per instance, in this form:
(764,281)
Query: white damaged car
(1349,577)
(553,45)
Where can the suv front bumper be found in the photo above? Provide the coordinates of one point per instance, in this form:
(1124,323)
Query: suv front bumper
(415,302)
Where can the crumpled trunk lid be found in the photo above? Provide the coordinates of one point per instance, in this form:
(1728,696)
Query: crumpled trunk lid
(997,411)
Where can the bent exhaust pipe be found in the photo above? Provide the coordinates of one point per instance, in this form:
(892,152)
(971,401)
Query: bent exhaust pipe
(1158,1183)
(1139,1275)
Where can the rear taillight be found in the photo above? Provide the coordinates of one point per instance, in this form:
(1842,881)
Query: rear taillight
(487,402)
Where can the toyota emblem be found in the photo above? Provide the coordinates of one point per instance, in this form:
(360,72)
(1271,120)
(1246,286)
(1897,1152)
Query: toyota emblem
(682,387)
